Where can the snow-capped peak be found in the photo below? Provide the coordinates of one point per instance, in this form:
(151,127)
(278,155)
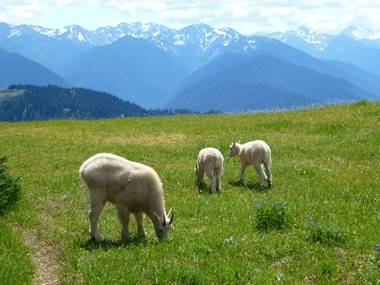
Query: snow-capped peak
(44,31)
(361,32)
(74,33)
(318,40)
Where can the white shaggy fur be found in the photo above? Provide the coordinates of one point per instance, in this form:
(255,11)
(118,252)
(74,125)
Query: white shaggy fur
(210,161)
(256,153)
(131,186)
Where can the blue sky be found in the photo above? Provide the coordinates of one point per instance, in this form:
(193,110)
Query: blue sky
(246,16)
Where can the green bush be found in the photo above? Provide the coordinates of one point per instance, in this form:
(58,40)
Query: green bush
(326,233)
(9,188)
(271,215)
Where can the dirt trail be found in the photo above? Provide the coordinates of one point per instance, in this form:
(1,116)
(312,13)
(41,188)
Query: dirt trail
(44,258)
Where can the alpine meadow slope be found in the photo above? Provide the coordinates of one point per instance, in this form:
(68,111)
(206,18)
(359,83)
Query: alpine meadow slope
(325,173)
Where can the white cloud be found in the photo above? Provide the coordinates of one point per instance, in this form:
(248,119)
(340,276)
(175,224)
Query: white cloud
(11,11)
(75,2)
(249,16)
(244,15)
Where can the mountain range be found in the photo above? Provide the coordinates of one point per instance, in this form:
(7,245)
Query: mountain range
(226,82)
(17,69)
(357,46)
(154,65)
(131,68)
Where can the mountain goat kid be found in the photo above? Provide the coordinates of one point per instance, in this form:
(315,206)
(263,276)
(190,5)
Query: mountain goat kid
(132,187)
(256,153)
(210,161)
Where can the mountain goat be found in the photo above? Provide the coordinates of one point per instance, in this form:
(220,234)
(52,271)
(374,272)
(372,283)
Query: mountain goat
(256,153)
(210,161)
(133,187)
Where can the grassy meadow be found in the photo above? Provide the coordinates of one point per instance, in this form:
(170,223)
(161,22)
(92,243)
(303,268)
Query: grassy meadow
(326,170)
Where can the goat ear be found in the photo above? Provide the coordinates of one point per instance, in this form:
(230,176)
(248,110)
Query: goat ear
(233,144)
(164,221)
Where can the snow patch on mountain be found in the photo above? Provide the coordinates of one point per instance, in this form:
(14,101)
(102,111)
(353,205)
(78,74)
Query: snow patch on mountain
(361,32)
(14,33)
(318,40)
(205,39)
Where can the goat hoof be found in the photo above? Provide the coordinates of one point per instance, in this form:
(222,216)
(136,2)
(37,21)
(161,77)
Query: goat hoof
(94,236)
(125,238)
(95,239)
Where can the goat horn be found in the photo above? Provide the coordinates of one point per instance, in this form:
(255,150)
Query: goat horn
(157,216)
(170,215)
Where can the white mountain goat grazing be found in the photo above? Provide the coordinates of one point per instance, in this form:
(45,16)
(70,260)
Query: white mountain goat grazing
(210,161)
(256,153)
(132,187)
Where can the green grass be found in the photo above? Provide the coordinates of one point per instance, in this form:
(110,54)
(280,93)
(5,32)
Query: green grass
(15,266)
(326,165)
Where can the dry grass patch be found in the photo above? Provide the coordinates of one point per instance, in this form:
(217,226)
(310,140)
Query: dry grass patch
(137,139)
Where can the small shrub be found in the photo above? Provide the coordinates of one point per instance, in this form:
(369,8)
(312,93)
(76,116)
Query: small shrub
(326,233)
(9,188)
(271,215)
